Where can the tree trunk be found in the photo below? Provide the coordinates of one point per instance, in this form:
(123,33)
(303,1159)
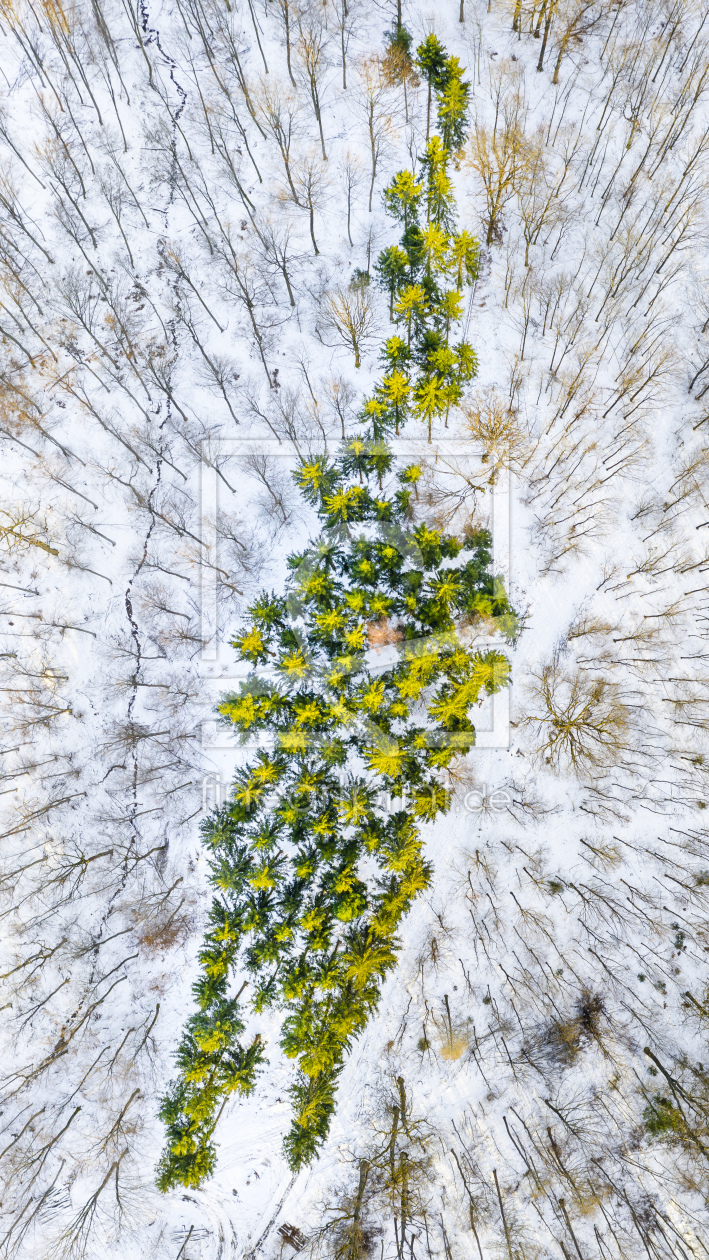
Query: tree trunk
(557,67)
(363,1170)
(542,50)
(403,1168)
(312,231)
(286,163)
(287,280)
(286,21)
(344,54)
(316,105)
(502,1214)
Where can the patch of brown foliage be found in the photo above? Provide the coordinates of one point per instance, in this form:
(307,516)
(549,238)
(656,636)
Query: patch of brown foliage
(379,633)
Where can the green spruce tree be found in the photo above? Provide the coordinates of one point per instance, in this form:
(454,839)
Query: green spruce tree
(424,275)
(431,61)
(361,687)
(294,909)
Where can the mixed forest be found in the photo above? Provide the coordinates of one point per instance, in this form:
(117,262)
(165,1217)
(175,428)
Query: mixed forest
(291,293)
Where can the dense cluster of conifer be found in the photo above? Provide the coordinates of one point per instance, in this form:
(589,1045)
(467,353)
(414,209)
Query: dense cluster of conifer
(362,685)
(424,274)
(312,876)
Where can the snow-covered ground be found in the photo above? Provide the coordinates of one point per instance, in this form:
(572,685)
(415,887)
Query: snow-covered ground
(157,387)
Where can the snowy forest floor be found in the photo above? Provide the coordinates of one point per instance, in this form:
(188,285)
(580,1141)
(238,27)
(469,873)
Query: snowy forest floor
(182,185)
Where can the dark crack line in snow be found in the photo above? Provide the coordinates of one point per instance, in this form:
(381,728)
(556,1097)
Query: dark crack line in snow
(134,628)
(153,37)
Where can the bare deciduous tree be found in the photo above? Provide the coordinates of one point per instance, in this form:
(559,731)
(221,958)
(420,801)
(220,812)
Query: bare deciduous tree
(497,157)
(582,721)
(279,110)
(311,189)
(311,48)
(375,102)
(496,426)
(349,311)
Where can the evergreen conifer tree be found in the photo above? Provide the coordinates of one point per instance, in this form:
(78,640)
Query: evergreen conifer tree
(361,684)
(431,61)
(293,906)
(424,275)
